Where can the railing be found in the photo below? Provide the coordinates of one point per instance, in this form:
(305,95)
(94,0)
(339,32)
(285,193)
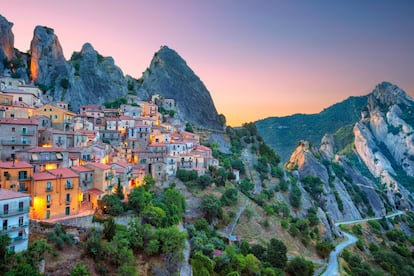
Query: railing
(28,133)
(13,227)
(68,200)
(19,239)
(20,178)
(12,212)
(16,142)
(23,190)
(69,187)
(49,189)
(109,177)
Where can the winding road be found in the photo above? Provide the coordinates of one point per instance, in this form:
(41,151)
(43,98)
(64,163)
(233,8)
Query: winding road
(332,268)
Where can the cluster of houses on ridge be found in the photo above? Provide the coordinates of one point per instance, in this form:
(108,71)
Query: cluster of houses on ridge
(55,163)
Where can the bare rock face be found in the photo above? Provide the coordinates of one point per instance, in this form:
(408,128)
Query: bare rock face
(328,146)
(170,77)
(95,79)
(6,41)
(47,60)
(384,140)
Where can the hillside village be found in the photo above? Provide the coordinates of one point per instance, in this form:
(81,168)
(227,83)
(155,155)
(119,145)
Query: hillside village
(56,163)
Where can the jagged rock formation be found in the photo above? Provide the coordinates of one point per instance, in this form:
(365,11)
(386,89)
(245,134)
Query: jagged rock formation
(47,63)
(384,140)
(6,41)
(170,77)
(96,79)
(371,171)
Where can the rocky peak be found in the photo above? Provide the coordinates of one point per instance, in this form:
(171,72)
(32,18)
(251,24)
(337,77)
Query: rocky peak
(385,95)
(171,77)
(47,59)
(6,40)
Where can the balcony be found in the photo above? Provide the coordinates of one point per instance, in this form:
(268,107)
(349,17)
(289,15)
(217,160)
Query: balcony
(23,189)
(68,186)
(5,142)
(19,239)
(13,227)
(68,201)
(49,189)
(20,178)
(28,133)
(13,212)
(109,177)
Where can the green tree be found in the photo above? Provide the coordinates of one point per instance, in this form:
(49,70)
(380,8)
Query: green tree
(139,198)
(252,264)
(221,176)
(298,266)
(229,197)
(109,229)
(149,182)
(171,239)
(127,270)
(4,253)
(276,253)
(80,269)
(204,181)
(246,186)
(324,248)
(211,206)
(154,215)
(119,192)
(111,204)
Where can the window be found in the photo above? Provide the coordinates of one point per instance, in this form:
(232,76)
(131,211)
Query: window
(13,129)
(5,209)
(22,174)
(48,186)
(24,130)
(48,198)
(20,99)
(55,116)
(5,224)
(6,101)
(67,198)
(21,204)
(21,221)
(68,184)
(67,210)
(47,214)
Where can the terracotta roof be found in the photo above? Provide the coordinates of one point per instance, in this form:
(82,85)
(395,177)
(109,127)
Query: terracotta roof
(54,174)
(8,194)
(19,121)
(122,164)
(99,165)
(95,191)
(43,176)
(16,165)
(81,169)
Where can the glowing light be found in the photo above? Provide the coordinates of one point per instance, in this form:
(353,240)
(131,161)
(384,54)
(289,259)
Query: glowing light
(50,166)
(47,146)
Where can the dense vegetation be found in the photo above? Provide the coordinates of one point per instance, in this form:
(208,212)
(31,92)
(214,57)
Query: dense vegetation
(290,130)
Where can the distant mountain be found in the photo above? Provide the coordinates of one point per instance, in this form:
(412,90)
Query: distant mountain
(89,77)
(284,133)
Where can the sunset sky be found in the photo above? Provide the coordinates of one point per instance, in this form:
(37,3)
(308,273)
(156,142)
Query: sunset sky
(257,58)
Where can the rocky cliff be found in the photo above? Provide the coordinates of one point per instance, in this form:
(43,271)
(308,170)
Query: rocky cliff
(6,41)
(170,77)
(384,140)
(366,170)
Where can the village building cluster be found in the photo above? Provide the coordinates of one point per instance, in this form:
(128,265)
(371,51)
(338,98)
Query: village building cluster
(56,163)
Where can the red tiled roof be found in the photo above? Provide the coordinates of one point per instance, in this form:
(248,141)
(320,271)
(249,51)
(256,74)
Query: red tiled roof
(122,164)
(19,121)
(99,165)
(81,169)
(7,194)
(95,191)
(43,176)
(16,165)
